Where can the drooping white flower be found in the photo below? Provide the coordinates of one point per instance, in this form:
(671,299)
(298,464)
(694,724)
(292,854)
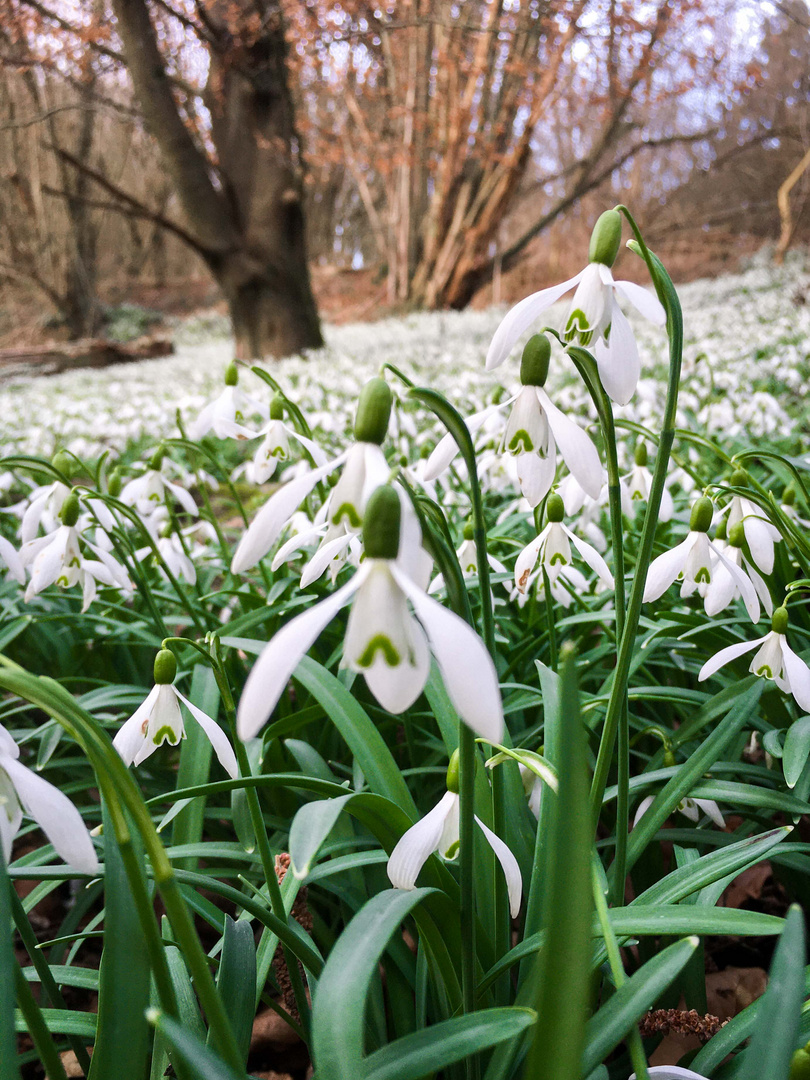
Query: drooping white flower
(151,489)
(552,547)
(467,555)
(774,659)
(759,532)
(22,790)
(438,831)
(231,407)
(638,483)
(159,719)
(696,558)
(274,448)
(671,1072)
(690,808)
(11,559)
(594,315)
(44,506)
(724,587)
(384,641)
(365,469)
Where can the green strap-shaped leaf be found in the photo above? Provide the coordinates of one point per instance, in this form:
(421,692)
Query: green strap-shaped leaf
(613,1021)
(200,1059)
(236,980)
(425,1052)
(340,998)
(123,1033)
(9,1070)
(777,1026)
(310,827)
(564,964)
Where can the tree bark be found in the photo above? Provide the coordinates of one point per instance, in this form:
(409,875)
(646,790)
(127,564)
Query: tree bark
(244,213)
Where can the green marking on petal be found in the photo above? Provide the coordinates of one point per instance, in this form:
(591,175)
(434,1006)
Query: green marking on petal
(764,672)
(577,326)
(452,851)
(383,644)
(558,557)
(167,734)
(520,443)
(349,511)
(702,575)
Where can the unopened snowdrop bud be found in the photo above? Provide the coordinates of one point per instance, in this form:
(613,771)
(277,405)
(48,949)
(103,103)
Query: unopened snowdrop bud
(555,508)
(453,773)
(606,238)
(277,407)
(231,374)
(736,535)
(700,519)
(469,531)
(69,514)
(739,478)
(800,1064)
(165,669)
(63,461)
(381,524)
(373,412)
(640,455)
(779,621)
(114,484)
(789,499)
(535,360)
(156,460)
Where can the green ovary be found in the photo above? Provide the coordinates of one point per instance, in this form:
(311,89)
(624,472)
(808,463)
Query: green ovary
(379,643)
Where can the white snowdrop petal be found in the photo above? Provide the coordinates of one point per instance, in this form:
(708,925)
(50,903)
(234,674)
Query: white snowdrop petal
(467,668)
(725,656)
(643,300)
(798,675)
(418,844)
(618,360)
(591,557)
(216,736)
(665,568)
(521,317)
(576,448)
(56,816)
(280,657)
(535,475)
(509,865)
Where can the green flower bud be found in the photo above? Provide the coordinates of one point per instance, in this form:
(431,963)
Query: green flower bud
(739,478)
(452,773)
(555,508)
(535,360)
(736,537)
(64,462)
(231,374)
(156,460)
(469,531)
(701,517)
(277,407)
(165,667)
(606,238)
(800,1065)
(779,621)
(789,495)
(669,757)
(373,412)
(640,456)
(114,483)
(69,513)
(381,523)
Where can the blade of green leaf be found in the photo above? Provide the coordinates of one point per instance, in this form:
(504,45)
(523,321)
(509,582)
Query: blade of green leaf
(9,1069)
(200,1059)
(611,1024)
(426,1052)
(310,827)
(236,980)
(339,1005)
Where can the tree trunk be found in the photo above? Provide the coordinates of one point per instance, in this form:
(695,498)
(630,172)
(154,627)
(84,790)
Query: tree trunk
(272,308)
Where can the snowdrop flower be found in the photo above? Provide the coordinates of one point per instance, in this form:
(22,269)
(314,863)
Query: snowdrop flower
(159,720)
(535,430)
(759,532)
(45,504)
(724,587)
(229,409)
(638,484)
(594,314)
(57,559)
(788,507)
(150,490)
(365,469)
(774,659)
(553,548)
(275,445)
(439,831)
(533,786)
(690,808)
(22,790)
(696,558)
(468,560)
(384,642)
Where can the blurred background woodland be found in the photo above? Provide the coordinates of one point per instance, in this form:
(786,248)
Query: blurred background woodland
(287,162)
